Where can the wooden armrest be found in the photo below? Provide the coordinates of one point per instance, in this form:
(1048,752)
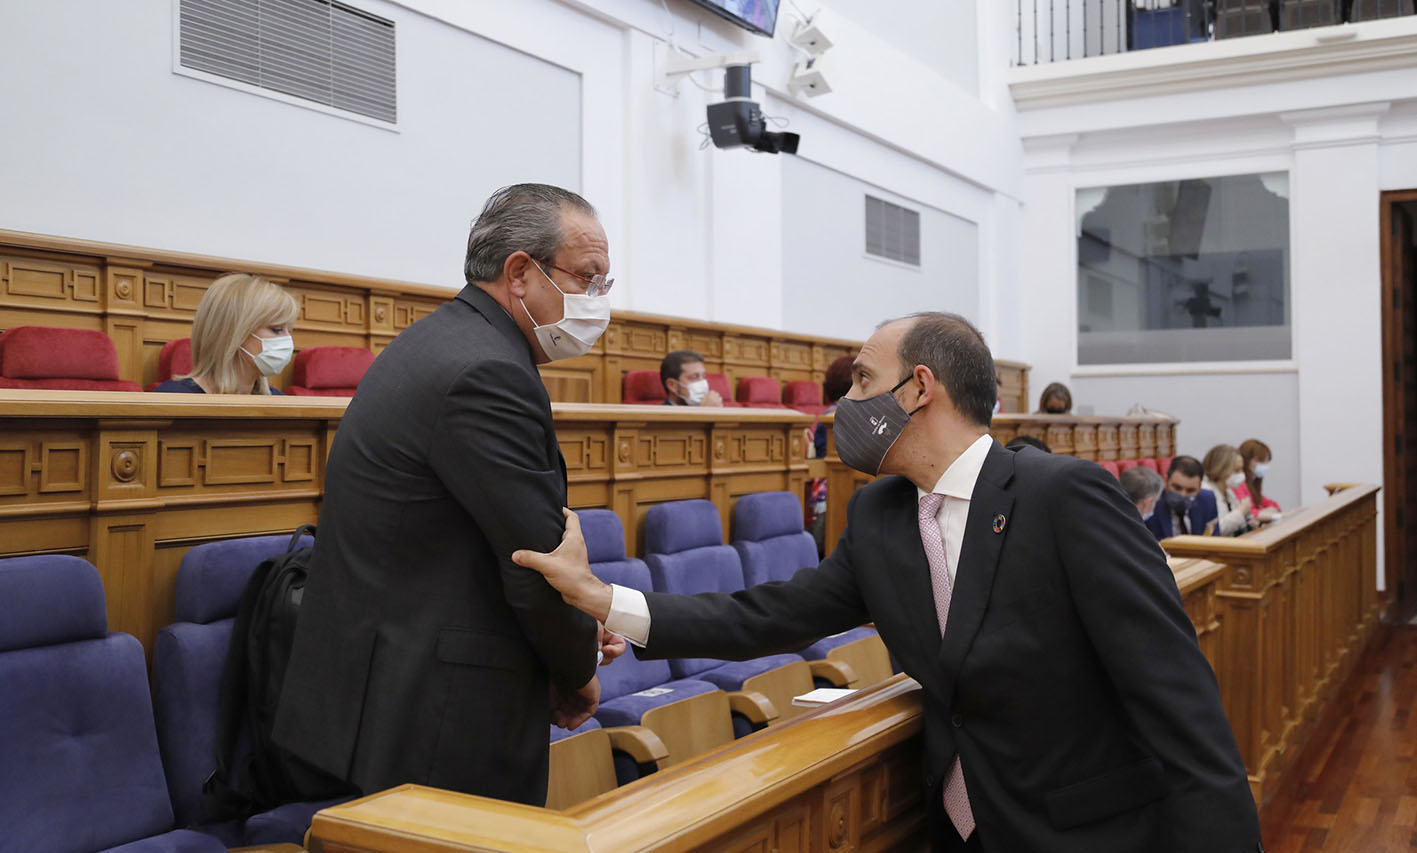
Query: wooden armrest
(755,706)
(282,847)
(838,672)
(641,744)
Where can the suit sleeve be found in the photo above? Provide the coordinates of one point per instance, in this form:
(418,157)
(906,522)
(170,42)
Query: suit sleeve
(489,449)
(769,618)
(1131,609)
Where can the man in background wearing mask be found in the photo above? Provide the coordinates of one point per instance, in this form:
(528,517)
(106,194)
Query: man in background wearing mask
(1188,508)
(1066,704)
(423,653)
(1144,488)
(685,380)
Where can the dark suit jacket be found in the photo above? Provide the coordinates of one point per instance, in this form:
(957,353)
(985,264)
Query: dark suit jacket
(422,653)
(1069,680)
(1203,511)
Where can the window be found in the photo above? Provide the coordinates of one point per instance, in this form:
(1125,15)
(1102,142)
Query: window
(317,50)
(1178,271)
(892,231)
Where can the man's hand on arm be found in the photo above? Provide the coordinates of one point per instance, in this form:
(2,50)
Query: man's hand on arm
(612,645)
(569,710)
(567,569)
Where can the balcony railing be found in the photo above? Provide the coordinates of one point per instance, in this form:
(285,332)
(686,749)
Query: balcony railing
(1054,30)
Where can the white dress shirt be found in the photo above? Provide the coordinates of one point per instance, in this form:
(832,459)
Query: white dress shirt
(629,612)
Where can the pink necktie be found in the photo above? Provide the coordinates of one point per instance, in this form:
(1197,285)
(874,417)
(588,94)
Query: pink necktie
(956,797)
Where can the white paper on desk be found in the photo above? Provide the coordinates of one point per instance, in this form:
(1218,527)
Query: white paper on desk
(821,696)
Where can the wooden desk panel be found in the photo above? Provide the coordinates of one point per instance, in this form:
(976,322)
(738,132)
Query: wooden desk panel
(143,298)
(133,481)
(843,777)
(1299,603)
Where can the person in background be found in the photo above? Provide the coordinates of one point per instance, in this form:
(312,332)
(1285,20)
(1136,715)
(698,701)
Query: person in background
(1224,472)
(998,395)
(685,380)
(1143,487)
(240,338)
(1256,456)
(1020,441)
(1189,509)
(1056,399)
(834,386)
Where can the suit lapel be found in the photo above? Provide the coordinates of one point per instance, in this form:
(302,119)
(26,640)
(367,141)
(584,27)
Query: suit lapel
(900,532)
(978,557)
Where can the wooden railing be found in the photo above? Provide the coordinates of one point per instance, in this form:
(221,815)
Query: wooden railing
(1083,436)
(143,298)
(844,777)
(1299,602)
(133,481)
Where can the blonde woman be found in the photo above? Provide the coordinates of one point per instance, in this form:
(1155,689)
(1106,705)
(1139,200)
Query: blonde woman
(1224,473)
(240,338)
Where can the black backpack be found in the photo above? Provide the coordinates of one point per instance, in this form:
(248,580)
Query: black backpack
(261,641)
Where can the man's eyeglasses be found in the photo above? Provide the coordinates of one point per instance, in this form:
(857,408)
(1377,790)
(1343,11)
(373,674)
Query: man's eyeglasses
(596,285)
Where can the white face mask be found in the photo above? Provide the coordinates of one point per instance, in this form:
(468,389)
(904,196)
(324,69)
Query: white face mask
(1261,469)
(1235,480)
(274,355)
(583,321)
(697,391)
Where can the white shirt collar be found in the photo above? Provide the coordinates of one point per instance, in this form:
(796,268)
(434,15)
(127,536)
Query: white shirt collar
(959,479)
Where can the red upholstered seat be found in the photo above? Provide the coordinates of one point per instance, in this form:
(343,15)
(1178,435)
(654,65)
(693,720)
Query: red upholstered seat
(1126,464)
(719,382)
(643,387)
(804,396)
(760,392)
(1148,463)
(1163,464)
(328,371)
(174,360)
(60,359)
(1112,467)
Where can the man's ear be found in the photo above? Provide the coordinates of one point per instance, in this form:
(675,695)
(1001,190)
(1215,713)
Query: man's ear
(517,269)
(923,378)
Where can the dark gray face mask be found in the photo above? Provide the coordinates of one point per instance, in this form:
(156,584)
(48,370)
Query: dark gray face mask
(866,429)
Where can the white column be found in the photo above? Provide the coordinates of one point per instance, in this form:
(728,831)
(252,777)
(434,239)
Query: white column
(1336,290)
(1047,262)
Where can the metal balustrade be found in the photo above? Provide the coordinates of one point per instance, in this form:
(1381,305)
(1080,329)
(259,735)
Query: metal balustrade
(1056,30)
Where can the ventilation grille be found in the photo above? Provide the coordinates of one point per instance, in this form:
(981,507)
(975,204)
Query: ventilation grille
(892,231)
(318,50)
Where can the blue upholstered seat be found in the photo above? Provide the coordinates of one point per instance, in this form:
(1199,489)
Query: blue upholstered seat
(79,762)
(685,554)
(629,687)
(770,541)
(188,660)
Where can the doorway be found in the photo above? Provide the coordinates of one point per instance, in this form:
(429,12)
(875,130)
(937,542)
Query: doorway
(1399,262)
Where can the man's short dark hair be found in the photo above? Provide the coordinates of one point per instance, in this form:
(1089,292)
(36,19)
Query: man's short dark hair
(1141,483)
(518,218)
(1189,466)
(837,380)
(1028,441)
(956,353)
(672,367)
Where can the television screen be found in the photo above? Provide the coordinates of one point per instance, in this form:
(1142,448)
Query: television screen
(760,16)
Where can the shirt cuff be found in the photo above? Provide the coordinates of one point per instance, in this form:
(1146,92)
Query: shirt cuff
(629,614)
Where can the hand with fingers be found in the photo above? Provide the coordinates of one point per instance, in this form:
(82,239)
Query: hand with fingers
(567,569)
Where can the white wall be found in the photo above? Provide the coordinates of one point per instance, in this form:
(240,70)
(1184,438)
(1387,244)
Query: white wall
(833,287)
(104,141)
(1342,138)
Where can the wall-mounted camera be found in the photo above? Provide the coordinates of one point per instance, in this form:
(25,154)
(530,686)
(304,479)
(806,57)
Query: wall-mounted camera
(738,122)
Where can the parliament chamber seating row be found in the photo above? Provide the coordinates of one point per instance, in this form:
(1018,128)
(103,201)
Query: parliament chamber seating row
(56,358)
(644,387)
(143,298)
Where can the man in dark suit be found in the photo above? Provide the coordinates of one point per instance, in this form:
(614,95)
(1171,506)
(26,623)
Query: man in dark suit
(1184,507)
(1067,706)
(422,653)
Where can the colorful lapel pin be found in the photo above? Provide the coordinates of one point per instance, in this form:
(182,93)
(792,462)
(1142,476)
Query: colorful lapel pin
(999,522)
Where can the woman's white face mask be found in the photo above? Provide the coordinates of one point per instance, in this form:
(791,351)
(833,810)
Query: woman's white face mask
(274,355)
(583,320)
